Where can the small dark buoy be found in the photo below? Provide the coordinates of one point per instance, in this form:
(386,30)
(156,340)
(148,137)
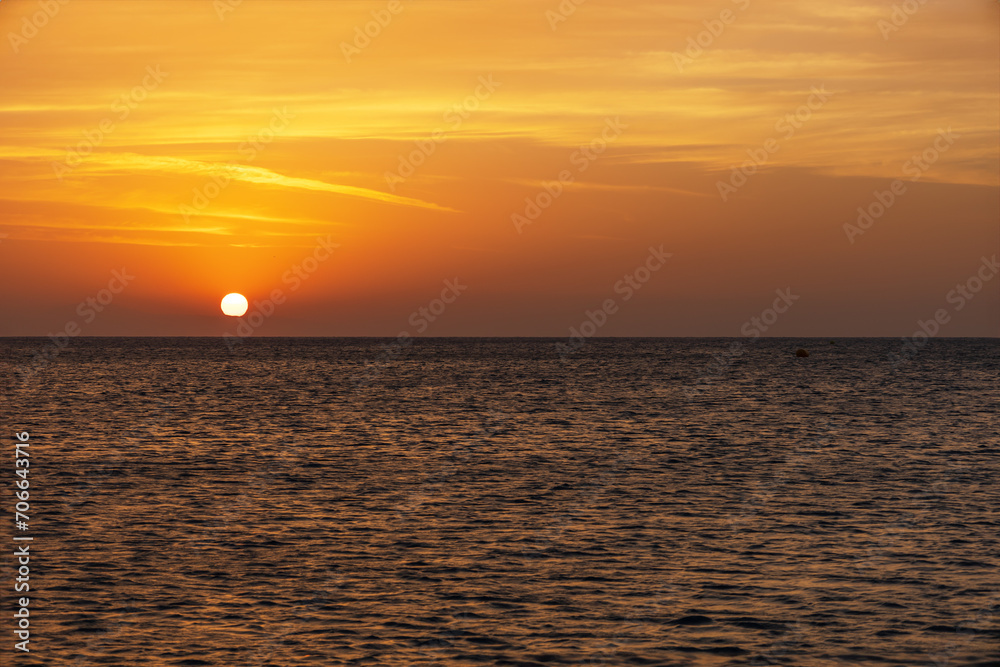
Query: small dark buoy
(801,353)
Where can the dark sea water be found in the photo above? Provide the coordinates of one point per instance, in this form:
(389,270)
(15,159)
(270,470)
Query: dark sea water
(486,502)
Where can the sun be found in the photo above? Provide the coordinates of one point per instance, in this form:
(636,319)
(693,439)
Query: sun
(234,305)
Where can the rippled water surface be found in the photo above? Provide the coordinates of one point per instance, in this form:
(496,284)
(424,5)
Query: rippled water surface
(485,502)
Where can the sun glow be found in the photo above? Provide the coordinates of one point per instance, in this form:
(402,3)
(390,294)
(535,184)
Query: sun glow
(234,305)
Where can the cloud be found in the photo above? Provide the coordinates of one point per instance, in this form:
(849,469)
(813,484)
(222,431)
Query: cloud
(130,163)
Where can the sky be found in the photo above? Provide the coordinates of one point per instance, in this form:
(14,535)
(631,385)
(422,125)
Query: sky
(499,168)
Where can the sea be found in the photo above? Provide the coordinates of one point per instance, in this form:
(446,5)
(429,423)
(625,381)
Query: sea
(295,501)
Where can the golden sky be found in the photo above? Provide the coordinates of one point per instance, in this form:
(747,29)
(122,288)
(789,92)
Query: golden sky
(205,146)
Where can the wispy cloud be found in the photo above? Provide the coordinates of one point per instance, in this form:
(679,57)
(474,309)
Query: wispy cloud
(131,163)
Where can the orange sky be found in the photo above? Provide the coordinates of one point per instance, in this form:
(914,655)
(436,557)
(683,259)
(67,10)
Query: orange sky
(205,151)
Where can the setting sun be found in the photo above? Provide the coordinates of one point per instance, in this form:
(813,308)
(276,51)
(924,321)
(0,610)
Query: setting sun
(234,305)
